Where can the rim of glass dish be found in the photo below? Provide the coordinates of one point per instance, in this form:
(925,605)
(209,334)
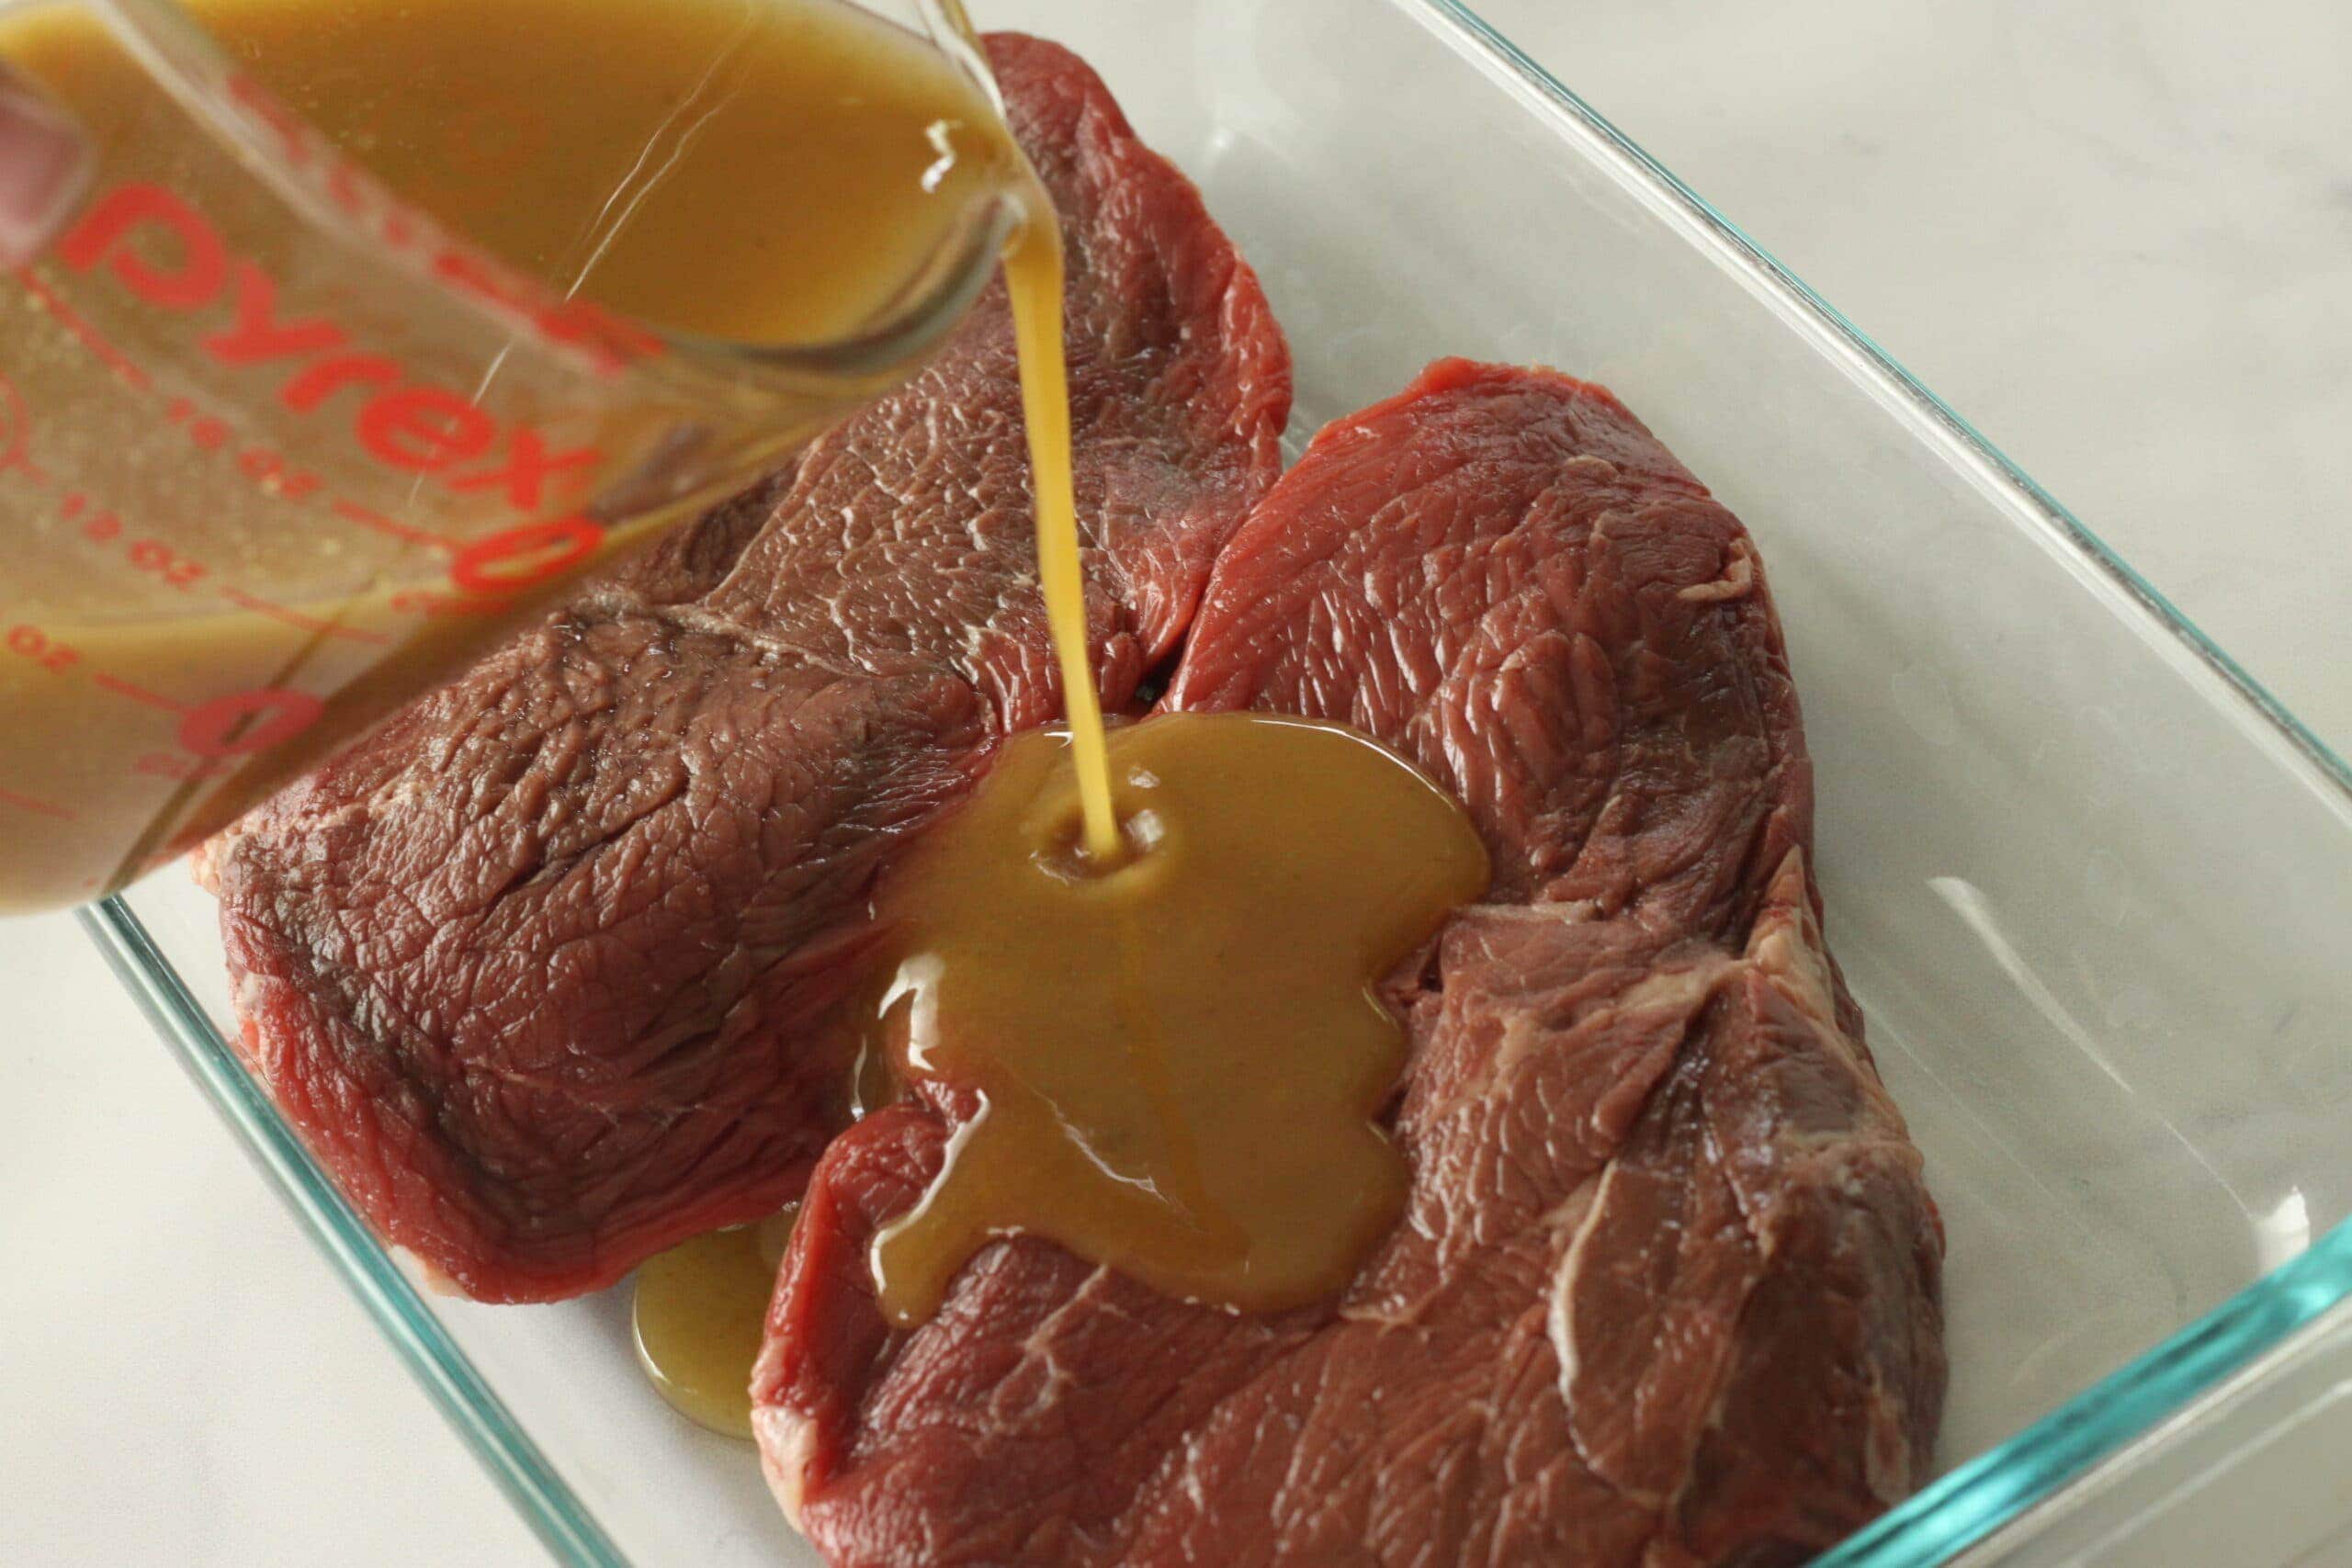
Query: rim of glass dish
(1960,1510)
(2000,1486)
(555,1513)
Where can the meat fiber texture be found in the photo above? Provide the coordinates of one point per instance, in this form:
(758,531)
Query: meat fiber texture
(539,968)
(1667,1288)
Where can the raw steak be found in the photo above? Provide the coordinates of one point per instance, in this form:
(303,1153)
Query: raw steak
(536,968)
(1667,1288)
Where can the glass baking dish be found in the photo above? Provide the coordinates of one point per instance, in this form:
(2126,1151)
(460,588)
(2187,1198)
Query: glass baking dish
(2092,885)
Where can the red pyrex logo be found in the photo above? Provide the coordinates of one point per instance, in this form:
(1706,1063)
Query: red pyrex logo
(167,253)
(423,430)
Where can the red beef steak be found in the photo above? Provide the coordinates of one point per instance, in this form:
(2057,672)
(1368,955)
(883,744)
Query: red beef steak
(1666,1290)
(536,968)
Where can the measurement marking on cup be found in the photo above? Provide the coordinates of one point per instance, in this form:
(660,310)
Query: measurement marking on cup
(156,557)
(160,560)
(137,693)
(267,469)
(36,805)
(294,618)
(352,511)
(31,642)
(243,722)
(16,433)
(209,431)
(97,342)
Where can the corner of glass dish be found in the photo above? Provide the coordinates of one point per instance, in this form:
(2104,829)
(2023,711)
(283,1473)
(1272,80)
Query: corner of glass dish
(562,1523)
(1999,1487)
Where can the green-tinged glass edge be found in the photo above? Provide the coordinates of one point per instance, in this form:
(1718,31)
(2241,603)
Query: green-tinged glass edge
(1998,1487)
(564,1525)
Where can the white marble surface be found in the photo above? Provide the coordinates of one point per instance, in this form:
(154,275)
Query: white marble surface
(2118,236)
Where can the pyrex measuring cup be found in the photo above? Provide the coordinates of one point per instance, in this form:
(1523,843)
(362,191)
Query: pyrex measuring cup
(277,451)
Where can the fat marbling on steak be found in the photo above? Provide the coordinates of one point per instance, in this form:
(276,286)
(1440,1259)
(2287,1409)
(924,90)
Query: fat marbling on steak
(1667,1289)
(537,968)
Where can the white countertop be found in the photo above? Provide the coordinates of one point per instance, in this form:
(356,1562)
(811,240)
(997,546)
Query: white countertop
(2117,237)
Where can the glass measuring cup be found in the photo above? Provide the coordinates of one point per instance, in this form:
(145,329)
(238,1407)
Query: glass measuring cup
(277,450)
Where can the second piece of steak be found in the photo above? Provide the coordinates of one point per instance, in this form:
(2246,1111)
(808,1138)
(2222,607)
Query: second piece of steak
(1665,1291)
(535,968)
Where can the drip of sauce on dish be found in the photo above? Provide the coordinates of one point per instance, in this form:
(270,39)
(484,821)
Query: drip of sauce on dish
(1180,1060)
(698,1312)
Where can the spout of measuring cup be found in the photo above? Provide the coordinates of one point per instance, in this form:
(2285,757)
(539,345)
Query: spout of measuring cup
(934,296)
(918,316)
(45,164)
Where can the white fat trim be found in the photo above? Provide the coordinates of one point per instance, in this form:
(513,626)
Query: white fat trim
(786,1444)
(1560,1317)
